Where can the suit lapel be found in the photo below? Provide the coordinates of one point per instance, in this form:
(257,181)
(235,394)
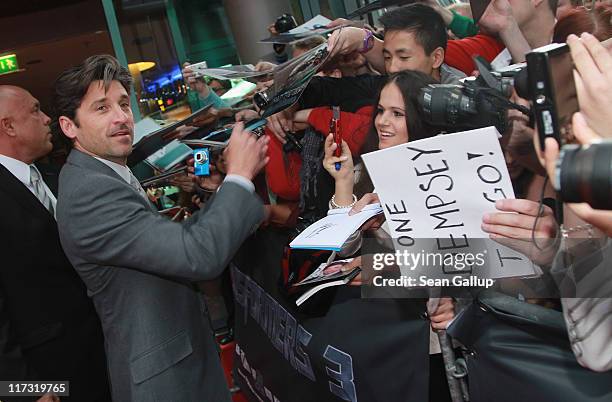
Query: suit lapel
(24,197)
(78,158)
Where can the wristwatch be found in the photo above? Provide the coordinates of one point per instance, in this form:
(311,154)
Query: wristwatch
(368,41)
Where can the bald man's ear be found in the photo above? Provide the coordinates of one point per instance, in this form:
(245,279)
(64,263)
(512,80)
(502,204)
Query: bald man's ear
(68,127)
(438,57)
(6,126)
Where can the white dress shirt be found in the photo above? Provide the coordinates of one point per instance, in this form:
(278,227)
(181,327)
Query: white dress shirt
(121,170)
(21,171)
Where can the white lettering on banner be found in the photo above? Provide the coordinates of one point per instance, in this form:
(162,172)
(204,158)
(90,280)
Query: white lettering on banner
(341,370)
(434,193)
(281,328)
(289,338)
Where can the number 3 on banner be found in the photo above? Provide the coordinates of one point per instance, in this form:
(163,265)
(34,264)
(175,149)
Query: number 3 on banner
(345,386)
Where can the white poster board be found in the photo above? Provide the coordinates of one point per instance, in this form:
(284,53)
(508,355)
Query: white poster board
(434,193)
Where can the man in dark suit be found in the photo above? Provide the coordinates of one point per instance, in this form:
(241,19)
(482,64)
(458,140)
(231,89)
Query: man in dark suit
(49,329)
(138,266)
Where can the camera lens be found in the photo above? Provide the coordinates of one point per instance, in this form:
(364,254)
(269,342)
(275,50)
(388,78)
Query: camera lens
(261,99)
(585,174)
(445,105)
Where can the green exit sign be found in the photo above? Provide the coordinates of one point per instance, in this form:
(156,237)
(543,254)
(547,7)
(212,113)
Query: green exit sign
(8,64)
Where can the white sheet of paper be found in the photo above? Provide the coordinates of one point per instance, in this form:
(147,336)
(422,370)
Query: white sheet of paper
(310,24)
(440,187)
(331,232)
(144,127)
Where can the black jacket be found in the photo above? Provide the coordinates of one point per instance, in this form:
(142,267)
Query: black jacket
(49,329)
(350,93)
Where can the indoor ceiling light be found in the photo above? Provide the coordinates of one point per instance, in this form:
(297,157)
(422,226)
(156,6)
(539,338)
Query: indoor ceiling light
(141,65)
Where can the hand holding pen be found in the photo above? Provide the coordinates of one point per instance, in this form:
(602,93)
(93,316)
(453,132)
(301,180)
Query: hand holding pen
(344,161)
(335,130)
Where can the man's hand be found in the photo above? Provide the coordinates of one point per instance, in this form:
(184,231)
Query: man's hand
(246,115)
(584,135)
(194,83)
(593,78)
(185,182)
(264,66)
(281,123)
(246,154)
(515,229)
(179,133)
(444,12)
(345,41)
(518,140)
(272,29)
(497,17)
(211,116)
(442,314)
(212,181)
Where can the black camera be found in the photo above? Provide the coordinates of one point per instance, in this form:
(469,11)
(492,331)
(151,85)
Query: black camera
(476,103)
(552,91)
(584,174)
(285,23)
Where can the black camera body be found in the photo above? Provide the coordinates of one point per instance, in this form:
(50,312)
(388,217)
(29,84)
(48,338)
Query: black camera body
(476,103)
(583,173)
(552,91)
(463,107)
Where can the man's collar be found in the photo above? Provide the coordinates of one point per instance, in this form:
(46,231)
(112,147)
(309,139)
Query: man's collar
(19,169)
(121,170)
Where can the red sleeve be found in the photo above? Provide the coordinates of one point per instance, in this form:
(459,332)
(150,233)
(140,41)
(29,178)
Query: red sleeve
(354,126)
(459,52)
(283,170)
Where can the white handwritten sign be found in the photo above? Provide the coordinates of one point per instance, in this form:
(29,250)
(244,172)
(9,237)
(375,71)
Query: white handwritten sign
(435,191)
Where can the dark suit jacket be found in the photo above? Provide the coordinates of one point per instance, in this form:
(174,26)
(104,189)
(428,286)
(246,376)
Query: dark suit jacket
(138,267)
(49,329)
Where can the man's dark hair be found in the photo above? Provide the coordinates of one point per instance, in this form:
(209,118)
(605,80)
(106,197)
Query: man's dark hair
(72,85)
(427,25)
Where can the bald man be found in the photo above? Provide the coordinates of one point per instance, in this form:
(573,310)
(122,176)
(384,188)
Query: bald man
(49,330)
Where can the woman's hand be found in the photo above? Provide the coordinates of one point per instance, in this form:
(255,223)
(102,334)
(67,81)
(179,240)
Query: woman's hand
(346,173)
(368,198)
(356,262)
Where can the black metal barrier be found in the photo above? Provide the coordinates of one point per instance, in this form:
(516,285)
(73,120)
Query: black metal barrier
(356,349)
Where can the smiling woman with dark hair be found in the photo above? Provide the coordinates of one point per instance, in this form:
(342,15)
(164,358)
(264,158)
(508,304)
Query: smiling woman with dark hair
(395,121)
